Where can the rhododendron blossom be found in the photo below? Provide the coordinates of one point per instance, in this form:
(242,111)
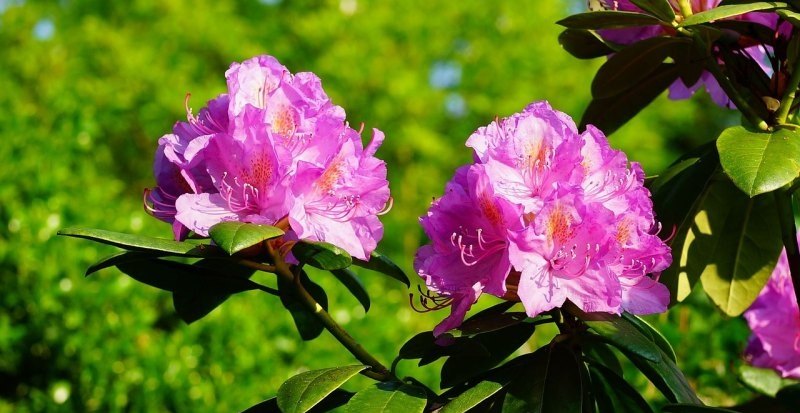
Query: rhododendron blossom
(679,90)
(273,149)
(545,214)
(774,319)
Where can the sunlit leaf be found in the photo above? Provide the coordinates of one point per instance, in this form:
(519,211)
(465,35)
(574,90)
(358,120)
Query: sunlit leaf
(659,8)
(321,255)
(390,397)
(722,12)
(303,391)
(143,243)
(234,236)
(653,334)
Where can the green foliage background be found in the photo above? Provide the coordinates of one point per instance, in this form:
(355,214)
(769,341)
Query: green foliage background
(88,86)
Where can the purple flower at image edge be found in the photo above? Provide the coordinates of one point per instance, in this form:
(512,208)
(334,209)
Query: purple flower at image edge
(775,323)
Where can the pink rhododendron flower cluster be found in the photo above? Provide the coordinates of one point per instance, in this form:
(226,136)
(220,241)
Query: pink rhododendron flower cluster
(273,150)
(774,319)
(678,90)
(545,214)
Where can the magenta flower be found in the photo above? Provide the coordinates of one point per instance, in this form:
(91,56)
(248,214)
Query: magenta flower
(273,150)
(679,90)
(544,215)
(775,321)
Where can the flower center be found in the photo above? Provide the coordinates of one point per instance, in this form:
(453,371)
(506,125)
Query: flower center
(331,176)
(559,225)
(490,210)
(283,122)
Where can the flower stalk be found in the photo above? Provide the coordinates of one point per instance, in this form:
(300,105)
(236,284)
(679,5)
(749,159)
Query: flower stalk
(787,100)
(377,370)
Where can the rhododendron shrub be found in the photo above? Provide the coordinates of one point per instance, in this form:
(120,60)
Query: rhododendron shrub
(560,210)
(560,227)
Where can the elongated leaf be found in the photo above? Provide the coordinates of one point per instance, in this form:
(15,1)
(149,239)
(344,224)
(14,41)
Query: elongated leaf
(610,113)
(308,325)
(475,395)
(678,194)
(764,381)
(654,335)
(666,376)
(614,394)
(620,333)
(759,162)
(391,397)
(735,245)
(336,399)
(322,255)
(792,17)
(382,264)
(121,257)
(550,382)
(659,8)
(491,322)
(235,236)
(628,67)
(691,408)
(303,391)
(584,44)
(143,243)
(599,352)
(607,19)
(500,345)
(196,289)
(723,12)
(354,285)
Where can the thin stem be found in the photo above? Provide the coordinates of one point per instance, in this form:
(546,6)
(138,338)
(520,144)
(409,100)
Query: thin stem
(730,90)
(256,265)
(268,290)
(686,8)
(788,95)
(377,371)
(789,233)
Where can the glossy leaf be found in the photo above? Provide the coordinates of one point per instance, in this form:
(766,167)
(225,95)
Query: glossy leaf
(735,245)
(550,382)
(121,257)
(234,236)
(382,264)
(491,322)
(353,284)
(620,333)
(143,243)
(659,8)
(678,194)
(631,65)
(722,12)
(764,381)
(611,113)
(308,325)
(666,376)
(584,44)
(651,332)
(390,397)
(607,19)
(599,352)
(792,17)
(691,408)
(475,395)
(336,399)
(321,255)
(303,391)
(614,394)
(500,345)
(759,162)
(197,289)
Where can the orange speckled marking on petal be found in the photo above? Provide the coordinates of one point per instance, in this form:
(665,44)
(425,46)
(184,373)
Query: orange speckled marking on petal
(283,122)
(559,225)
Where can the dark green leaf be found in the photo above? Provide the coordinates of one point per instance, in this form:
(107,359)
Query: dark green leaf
(418,346)
(614,394)
(500,345)
(692,408)
(722,12)
(197,289)
(353,284)
(121,257)
(666,376)
(790,16)
(382,264)
(308,325)
(267,406)
(654,335)
(599,352)
(677,195)
(659,8)
(607,19)
(322,255)
(610,113)
(491,322)
(583,44)
(789,396)
(733,244)
(620,333)
(476,394)
(759,162)
(390,397)
(303,391)
(631,65)
(234,236)
(143,243)
(336,399)
(550,382)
